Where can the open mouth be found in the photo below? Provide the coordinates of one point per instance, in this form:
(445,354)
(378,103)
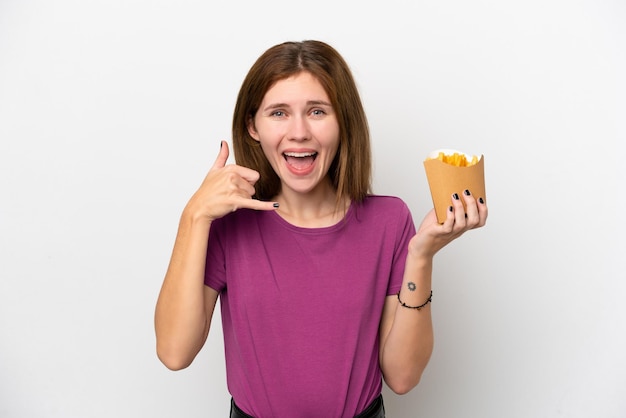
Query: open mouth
(300,160)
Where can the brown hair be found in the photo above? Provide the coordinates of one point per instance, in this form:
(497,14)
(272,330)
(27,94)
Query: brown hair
(350,171)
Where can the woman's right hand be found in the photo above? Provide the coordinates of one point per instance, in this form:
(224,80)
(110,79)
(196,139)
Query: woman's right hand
(225,189)
(185,306)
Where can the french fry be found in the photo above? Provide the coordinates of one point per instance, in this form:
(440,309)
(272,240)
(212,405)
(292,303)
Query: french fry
(456,159)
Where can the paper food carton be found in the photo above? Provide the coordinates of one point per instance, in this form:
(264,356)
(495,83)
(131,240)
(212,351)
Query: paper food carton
(447,178)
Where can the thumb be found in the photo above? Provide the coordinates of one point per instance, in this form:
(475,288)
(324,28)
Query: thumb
(220,161)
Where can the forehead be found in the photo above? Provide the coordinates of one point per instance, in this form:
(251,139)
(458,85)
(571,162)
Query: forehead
(303,85)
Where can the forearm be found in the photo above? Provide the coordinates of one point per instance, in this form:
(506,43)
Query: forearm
(181,317)
(408,342)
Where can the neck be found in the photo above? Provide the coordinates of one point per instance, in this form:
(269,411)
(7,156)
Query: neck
(316,209)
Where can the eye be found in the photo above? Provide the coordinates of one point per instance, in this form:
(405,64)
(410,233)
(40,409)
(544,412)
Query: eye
(318,112)
(278,113)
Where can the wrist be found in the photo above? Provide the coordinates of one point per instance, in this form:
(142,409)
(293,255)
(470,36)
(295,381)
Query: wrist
(419,261)
(194,218)
(418,274)
(419,251)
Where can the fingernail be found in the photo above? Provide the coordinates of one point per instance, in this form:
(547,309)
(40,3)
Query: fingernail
(221,143)
(276,205)
(450,208)
(481,200)
(466,216)
(466,192)
(455,196)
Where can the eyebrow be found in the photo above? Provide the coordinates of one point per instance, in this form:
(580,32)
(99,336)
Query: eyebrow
(309,103)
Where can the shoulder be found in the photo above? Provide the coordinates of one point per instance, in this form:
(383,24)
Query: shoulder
(380,210)
(384,204)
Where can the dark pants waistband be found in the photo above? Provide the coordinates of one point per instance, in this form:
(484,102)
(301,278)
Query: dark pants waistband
(235,412)
(374,410)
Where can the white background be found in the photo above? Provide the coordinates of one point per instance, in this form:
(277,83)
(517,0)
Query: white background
(111,112)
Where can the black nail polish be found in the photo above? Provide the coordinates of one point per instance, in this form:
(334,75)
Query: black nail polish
(481,200)
(276,205)
(450,208)
(455,196)
(466,216)
(466,192)
(221,143)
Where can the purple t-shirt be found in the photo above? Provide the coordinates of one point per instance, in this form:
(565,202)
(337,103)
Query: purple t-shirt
(301,307)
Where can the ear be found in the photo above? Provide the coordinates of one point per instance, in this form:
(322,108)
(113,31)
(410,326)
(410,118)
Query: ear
(252,130)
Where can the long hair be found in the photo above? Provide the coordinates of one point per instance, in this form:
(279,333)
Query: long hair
(350,171)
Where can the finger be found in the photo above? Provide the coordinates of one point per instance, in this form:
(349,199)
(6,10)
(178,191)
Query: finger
(471,209)
(249,175)
(222,156)
(483,211)
(459,212)
(237,186)
(448,223)
(257,204)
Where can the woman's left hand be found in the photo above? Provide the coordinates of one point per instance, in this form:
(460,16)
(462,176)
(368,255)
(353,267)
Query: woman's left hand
(432,236)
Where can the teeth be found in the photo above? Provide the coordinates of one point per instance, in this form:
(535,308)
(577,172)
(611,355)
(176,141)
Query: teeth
(300,154)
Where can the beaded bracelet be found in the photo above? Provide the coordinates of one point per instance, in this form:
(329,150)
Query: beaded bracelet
(404,305)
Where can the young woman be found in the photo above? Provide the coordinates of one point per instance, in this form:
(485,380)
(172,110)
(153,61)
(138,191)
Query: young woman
(324,287)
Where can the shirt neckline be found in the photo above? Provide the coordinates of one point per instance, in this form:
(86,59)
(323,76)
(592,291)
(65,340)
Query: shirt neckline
(315,231)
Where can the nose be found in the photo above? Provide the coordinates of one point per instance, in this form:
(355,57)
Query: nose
(299,129)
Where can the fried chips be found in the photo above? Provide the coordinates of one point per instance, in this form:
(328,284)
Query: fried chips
(456,159)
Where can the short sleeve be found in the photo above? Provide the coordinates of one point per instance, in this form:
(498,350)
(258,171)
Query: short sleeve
(215,267)
(404,232)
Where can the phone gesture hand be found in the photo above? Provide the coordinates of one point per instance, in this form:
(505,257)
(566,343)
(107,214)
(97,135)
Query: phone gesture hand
(225,189)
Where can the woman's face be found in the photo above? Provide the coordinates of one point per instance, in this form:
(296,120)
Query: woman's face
(298,131)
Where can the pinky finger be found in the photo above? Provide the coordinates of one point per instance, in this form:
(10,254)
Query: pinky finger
(261,205)
(483,211)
